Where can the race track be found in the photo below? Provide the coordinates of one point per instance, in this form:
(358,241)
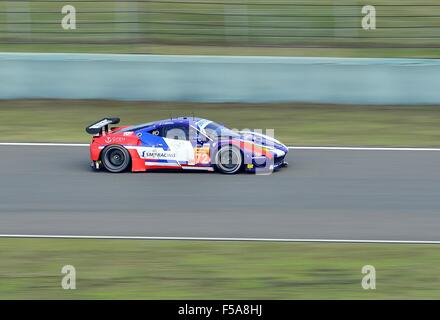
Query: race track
(323,194)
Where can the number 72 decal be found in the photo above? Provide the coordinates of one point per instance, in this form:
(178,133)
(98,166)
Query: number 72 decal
(202,155)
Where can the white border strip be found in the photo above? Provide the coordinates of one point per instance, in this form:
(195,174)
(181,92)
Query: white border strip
(35,236)
(48,144)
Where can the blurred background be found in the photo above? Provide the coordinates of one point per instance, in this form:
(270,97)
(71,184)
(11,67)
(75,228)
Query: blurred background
(314,28)
(51,98)
(405,28)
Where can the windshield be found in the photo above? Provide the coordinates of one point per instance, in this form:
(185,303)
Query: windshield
(215,130)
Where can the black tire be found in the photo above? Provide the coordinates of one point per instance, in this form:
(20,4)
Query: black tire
(229,160)
(115,158)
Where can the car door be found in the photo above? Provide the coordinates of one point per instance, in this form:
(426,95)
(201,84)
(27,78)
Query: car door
(202,147)
(176,145)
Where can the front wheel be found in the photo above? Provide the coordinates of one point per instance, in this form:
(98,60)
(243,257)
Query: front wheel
(115,158)
(229,159)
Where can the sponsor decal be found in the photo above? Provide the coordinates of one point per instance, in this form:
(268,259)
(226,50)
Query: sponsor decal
(153,154)
(110,139)
(100,124)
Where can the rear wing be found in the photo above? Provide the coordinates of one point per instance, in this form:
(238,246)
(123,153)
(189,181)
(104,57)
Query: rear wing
(101,127)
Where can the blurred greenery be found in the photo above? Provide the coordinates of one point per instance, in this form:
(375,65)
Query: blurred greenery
(132,269)
(405,28)
(234,51)
(294,124)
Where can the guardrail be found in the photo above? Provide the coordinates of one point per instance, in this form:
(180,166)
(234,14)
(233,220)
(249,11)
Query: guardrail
(219,78)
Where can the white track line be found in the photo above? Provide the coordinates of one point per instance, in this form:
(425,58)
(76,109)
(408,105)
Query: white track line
(34,236)
(44,144)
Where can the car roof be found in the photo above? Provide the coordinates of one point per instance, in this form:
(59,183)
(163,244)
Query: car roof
(178,120)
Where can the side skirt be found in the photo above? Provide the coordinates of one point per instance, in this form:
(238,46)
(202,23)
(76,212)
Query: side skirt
(210,169)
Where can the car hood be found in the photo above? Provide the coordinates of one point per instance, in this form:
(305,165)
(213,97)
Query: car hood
(263,140)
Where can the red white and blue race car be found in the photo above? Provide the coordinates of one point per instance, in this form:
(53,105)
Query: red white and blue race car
(186,143)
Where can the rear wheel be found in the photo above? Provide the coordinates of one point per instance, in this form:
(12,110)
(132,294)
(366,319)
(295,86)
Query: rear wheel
(229,160)
(115,158)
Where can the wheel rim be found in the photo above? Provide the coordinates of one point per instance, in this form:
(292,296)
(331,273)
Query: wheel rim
(116,158)
(229,160)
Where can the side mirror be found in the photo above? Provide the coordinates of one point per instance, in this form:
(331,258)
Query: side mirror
(202,138)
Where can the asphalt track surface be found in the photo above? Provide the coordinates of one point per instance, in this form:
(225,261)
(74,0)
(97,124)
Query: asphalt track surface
(323,194)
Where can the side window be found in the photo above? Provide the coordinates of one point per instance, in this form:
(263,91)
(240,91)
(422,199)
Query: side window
(177,132)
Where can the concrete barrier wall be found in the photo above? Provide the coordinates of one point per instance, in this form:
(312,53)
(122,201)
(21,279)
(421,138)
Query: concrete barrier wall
(219,79)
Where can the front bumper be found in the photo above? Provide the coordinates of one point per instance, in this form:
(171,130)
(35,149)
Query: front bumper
(263,163)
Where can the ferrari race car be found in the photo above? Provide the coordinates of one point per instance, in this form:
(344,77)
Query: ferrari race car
(184,143)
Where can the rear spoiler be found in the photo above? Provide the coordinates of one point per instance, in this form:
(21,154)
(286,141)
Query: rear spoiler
(101,126)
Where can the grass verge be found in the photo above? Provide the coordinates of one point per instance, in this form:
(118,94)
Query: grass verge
(126,269)
(364,52)
(294,124)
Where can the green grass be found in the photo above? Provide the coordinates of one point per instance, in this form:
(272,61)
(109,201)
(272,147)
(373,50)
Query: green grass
(428,53)
(224,27)
(127,269)
(294,124)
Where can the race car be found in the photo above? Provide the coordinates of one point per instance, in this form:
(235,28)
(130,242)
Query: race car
(183,143)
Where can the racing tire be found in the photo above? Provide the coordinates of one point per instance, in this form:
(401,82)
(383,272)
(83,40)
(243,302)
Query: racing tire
(115,158)
(229,160)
